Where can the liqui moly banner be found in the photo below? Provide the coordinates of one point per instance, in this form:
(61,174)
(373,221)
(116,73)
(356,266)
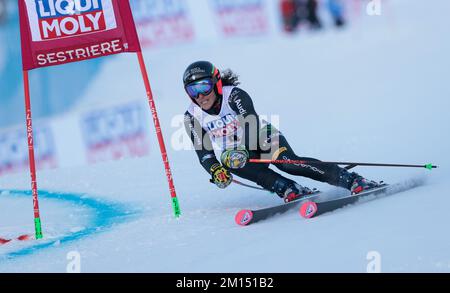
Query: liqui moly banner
(55,32)
(14,150)
(163,22)
(237,18)
(116,132)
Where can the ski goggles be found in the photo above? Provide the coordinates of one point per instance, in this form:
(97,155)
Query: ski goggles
(203,87)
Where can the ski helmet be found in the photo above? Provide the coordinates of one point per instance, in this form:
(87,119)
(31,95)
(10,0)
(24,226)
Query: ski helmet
(201,70)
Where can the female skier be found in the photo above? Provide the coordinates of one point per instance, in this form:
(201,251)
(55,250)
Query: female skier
(222,118)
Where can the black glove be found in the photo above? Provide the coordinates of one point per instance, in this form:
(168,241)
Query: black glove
(220,176)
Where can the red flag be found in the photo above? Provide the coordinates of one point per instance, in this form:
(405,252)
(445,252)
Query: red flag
(55,32)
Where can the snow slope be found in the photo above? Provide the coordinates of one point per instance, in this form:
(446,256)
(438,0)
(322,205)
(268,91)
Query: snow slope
(376,92)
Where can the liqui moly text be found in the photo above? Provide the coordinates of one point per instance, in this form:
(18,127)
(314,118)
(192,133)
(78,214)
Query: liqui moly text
(57,19)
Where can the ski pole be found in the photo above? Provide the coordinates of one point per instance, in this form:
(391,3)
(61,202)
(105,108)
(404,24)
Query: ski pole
(350,165)
(248,185)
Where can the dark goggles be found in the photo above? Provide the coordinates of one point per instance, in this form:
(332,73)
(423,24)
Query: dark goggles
(204,87)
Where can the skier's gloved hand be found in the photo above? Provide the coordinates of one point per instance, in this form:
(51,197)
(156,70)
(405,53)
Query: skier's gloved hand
(220,176)
(235,159)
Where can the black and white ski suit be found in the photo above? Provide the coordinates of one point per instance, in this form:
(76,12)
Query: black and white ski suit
(234,123)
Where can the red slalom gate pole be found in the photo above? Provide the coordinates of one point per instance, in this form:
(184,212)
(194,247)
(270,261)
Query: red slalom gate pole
(162,146)
(34,189)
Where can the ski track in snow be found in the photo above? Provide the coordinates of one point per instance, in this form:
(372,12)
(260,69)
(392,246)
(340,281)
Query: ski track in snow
(103,216)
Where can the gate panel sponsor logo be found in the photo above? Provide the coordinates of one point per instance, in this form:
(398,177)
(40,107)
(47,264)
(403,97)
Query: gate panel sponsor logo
(57,19)
(55,32)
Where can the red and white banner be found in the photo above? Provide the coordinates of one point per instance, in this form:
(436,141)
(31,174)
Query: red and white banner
(14,151)
(163,22)
(237,18)
(56,32)
(115,132)
(108,132)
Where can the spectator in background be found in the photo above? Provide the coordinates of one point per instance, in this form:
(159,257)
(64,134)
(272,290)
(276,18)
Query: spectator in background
(289,14)
(336,8)
(2,11)
(311,12)
(297,12)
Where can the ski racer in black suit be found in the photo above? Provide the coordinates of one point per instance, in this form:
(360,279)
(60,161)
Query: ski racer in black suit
(222,118)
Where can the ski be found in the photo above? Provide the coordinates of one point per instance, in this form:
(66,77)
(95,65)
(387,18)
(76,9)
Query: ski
(24,237)
(311,208)
(314,204)
(4,241)
(247,217)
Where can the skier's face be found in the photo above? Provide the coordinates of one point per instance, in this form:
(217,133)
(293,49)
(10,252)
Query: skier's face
(206,102)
